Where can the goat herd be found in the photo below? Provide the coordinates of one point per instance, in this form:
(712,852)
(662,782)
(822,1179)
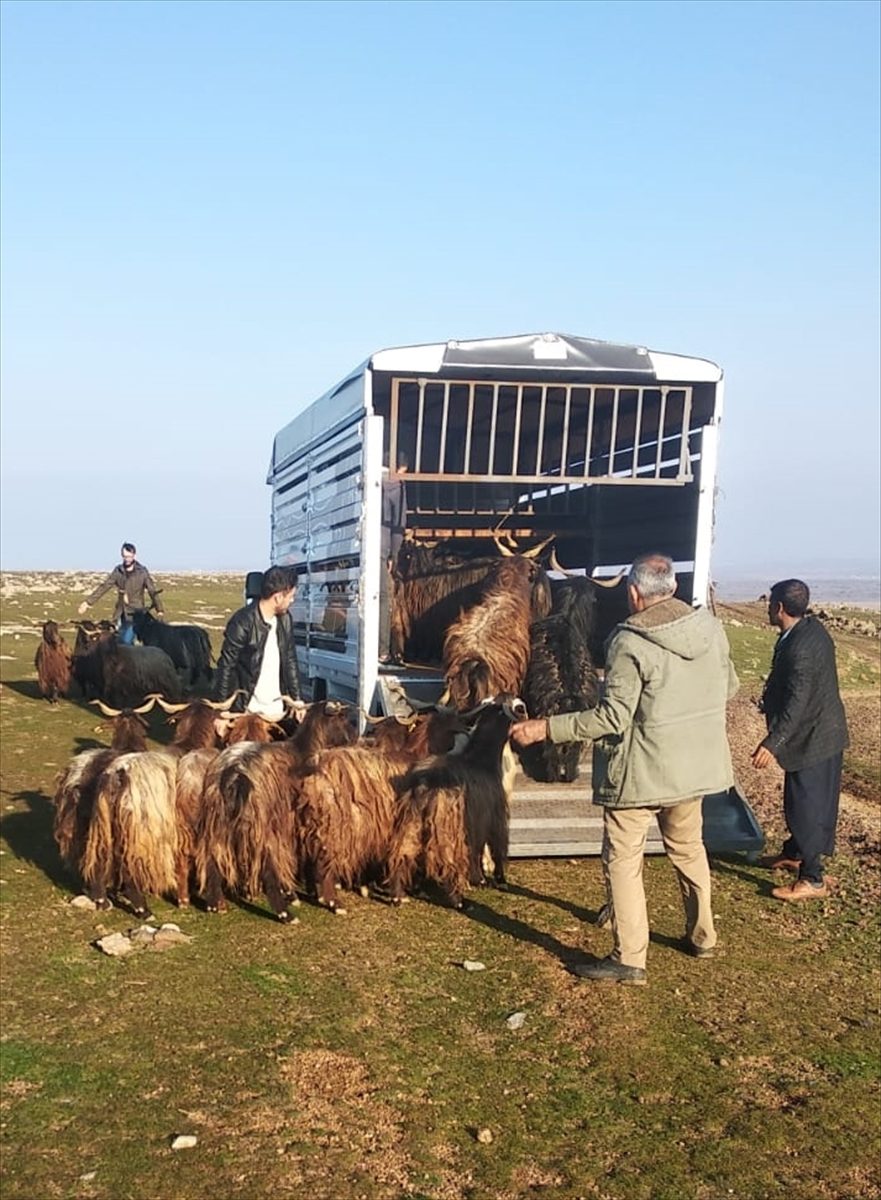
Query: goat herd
(315,807)
(317,810)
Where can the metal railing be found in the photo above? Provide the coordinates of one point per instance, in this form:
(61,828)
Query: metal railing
(471,430)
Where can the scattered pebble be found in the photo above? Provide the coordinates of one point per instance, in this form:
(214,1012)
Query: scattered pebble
(515,1021)
(184,1141)
(117,945)
(88,1177)
(471,965)
(484,1136)
(85,902)
(145,937)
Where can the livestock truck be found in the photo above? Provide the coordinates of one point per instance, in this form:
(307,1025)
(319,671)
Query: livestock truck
(610,450)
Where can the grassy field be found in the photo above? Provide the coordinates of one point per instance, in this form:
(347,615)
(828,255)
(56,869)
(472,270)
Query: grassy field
(353,1057)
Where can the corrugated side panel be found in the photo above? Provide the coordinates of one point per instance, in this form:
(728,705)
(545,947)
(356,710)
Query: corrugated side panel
(316,527)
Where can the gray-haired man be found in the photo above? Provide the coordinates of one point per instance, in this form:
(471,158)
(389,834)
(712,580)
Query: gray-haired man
(661,733)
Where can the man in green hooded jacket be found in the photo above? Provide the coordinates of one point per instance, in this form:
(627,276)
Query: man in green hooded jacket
(661,747)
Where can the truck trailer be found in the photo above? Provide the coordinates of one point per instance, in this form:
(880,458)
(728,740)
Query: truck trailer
(609,450)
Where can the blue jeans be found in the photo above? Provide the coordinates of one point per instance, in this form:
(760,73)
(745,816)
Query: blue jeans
(126,634)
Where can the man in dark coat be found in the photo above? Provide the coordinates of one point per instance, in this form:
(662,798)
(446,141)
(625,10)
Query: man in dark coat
(258,654)
(807,734)
(131,579)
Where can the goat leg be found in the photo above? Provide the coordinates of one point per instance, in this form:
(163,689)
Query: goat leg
(214,901)
(135,897)
(183,881)
(274,892)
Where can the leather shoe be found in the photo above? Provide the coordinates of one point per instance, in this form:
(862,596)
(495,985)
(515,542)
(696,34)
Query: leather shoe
(779,862)
(802,889)
(607,970)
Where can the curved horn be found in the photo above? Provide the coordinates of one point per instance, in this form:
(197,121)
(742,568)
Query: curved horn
(608,583)
(444,700)
(554,564)
(166,705)
(373,720)
(221,705)
(145,708)
(503,550)
(536,550)
(108,712)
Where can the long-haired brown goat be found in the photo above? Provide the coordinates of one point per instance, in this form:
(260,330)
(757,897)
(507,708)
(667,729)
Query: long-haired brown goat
(136,834)
(53,662)
(453,806)
(486,651)
(248,838)
(347,803)
(77,786)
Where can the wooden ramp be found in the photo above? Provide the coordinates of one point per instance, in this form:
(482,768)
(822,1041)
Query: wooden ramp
(559,820)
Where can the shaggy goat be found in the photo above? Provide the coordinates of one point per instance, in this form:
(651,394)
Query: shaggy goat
(77,786)
(454,805)
(347,802)
(53,663)
(248,839)
(486,650)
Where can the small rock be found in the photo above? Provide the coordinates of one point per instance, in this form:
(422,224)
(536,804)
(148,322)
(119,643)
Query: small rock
(515,1021)
(142,936)
(723,1062)
(471,965)
(88,1177)
(184,1141)
(169,937)
(484,1136)
(117,945)
(737,624)
(85,902)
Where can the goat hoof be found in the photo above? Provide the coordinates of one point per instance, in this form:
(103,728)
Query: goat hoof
(143,914)
(339,912)
(364,891)
(183,902)
(103,905)
(284,917)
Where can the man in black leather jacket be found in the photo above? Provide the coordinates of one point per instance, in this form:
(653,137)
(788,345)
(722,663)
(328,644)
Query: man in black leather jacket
(807,734)
(259,654)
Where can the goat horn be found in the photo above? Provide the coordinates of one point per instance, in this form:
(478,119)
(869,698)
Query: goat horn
(503,550)
(290,702)
(222,705)
(536,550)
(372,720)
(108,712)
(554,563)
(145,708)
(165,705)
(608,583)
(444,700)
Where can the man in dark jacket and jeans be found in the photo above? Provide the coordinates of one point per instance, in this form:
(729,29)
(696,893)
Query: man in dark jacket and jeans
(131,579)
(258,654)
(807,734)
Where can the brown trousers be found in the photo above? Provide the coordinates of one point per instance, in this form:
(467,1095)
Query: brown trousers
(624,834)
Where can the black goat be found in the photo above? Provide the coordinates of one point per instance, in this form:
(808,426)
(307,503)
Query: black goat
(188,646)
(560,678)
(123,675)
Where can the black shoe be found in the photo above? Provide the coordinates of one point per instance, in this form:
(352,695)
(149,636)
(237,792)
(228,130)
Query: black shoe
(607,970)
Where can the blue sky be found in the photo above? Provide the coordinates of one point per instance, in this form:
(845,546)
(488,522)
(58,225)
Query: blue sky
(212,211)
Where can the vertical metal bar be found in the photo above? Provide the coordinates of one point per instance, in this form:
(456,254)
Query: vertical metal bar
(492,431)
(441,462)
(564,448)
(419,414)
(636,429)
(541,428)
(662,416)
(393,428)
(683,440)
(467,464)
(613,432)
(589,438)
(516,459)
